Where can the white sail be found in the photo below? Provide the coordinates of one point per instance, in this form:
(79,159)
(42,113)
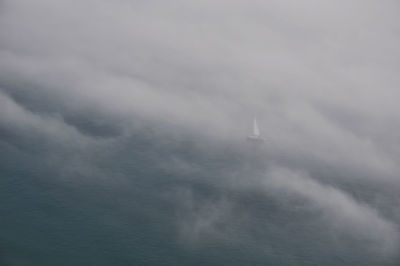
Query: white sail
(256,136)
(256,130)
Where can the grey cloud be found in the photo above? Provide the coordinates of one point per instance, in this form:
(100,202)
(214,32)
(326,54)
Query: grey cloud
(339,209)
(322,77)
(15,118)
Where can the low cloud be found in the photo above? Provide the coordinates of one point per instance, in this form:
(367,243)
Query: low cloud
(92,77)
(339,211)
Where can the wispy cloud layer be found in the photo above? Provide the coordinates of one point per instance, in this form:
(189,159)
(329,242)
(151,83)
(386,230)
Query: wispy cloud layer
(339,210)
(321,76)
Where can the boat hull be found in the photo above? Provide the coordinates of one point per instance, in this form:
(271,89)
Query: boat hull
(255,138)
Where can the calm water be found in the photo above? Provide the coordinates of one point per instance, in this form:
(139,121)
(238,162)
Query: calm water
(137,200)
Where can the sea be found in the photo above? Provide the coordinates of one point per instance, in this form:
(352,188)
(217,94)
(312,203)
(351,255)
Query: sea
(151,195)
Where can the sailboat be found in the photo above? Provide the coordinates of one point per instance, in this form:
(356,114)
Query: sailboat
(256,133)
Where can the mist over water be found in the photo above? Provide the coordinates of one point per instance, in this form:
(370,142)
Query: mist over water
(123,132)
(173,198)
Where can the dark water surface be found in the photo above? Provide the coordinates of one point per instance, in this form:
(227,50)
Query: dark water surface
(139,200)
